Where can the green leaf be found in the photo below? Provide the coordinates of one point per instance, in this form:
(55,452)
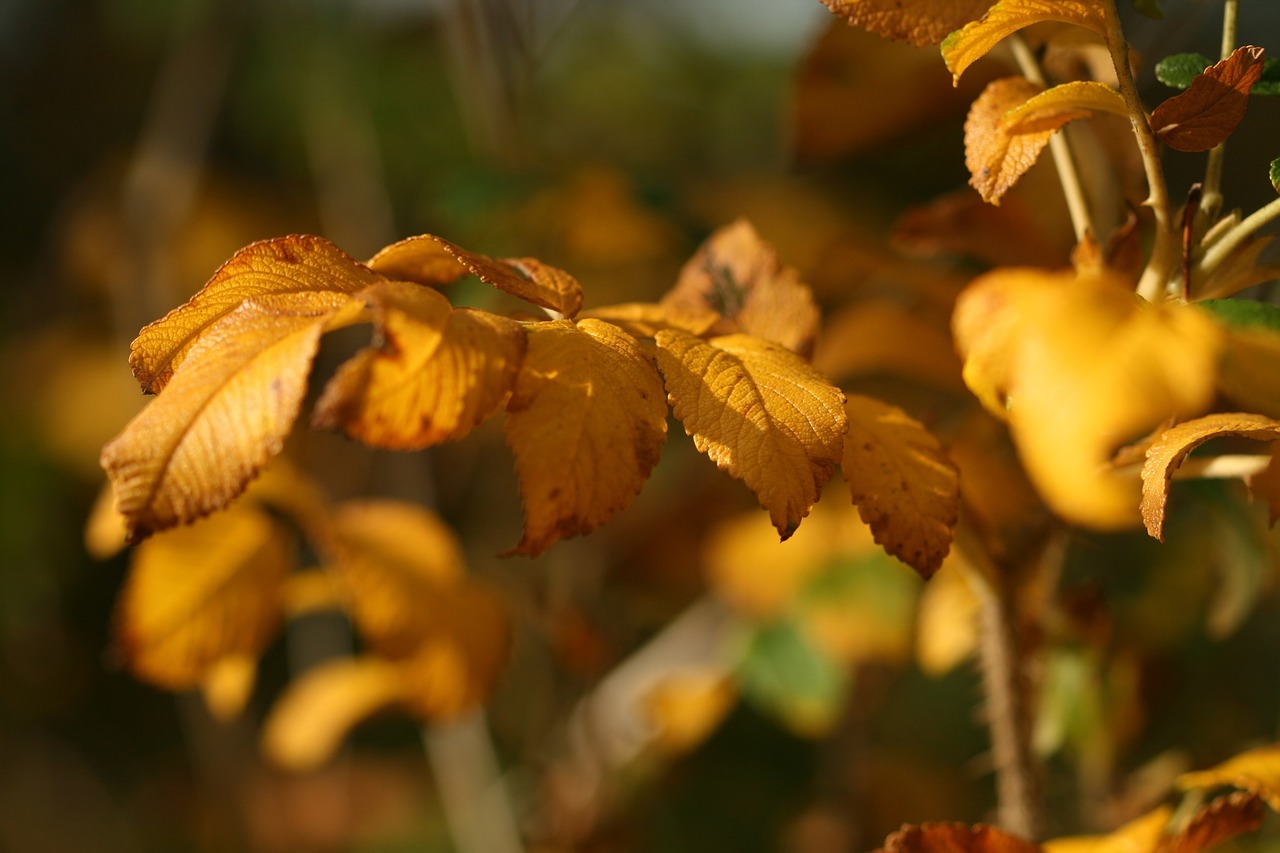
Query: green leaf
(1275,174)
(1269,82)
(1180,69)
(1150,8)
(784,673)
(1245,313)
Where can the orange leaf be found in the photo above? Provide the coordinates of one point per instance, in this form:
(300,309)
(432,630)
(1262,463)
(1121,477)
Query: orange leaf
(586,421)
(201,595)
(921,23)
(287,265)
(964,47)
(1173,445)
(1142,835)
(738,275)
(436,373)
(1223,818)
(996,159)
(221,417)
(882,336)
(1210,110)
(905,488)
(646,319)
(955,838)
(761,413)
(422,260)
(1054,107)
(1257,771)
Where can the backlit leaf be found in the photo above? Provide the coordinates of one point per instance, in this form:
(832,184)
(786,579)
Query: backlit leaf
(200,595)
(996,159)
(645,319)
(435,374)
(1257,770)
(955,838)
(1141,835)
(923,22)
(223,416)
(288,265)
(586,421)
(761,413)
(422,260)
(1208,112)
(1173,445)
(904,486)
(1053,108)
(965,46)
(738,275)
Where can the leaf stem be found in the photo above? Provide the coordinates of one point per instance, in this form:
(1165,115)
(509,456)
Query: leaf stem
(1059,145)
(1232,240)
(1211,197)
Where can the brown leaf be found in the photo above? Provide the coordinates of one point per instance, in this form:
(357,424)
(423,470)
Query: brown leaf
(1004,235)
(586,421)
(969,44)
(1168,451)
(436,373)
(921,23)
(1210,110)
(738,275)
(1223,818)
(761,413)
(955,838)
(902,483)
(995,158)
(1256,771)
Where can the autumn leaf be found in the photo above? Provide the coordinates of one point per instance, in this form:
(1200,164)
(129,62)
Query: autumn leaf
(287,265)
(955,838)
(904,486)
(201,595)
(1174,444)
(227,685)
(1054,107)
(1141,835)
(946,621)
(1208,112)
(965,46)
(646,319)
(737,275)
(685,707)
(882,336)
(761,413)
(1256,771)
(423,260)
(223,415)
(921,23)
(586,422)
(435,374)
(1222,818)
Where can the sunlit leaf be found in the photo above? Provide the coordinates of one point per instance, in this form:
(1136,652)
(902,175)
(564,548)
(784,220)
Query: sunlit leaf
(435,373)
(920,23)
(1166,454)
(902,483)
(646,319)
(1053,108)
(423,260)
(685,707)
(586,422)
(761,413)
(221,417)
(202,594)
(955,838)
(1223,818)
(271,268)
(1141,835)
(965,46)
(1257,771)
(737,275)
(1211,109)
(995,158)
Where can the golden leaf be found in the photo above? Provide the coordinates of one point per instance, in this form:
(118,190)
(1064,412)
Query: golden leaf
(965,46)
(1257,771)
(422,260)
(946,621)
(1141,835)
(1054,107)
(1084,367)
(904,486)
(761,413)
(1210,110)
(737,275)
(586,423)
(955,838)
(921,23)
(1173,445)
(106,532)
(1223,818)
(287,265)
(223,416)
(228,684)
(1249,375)
(685,707)
(202,594)
(646,319)
(996,158)
(881,336)
(436,373)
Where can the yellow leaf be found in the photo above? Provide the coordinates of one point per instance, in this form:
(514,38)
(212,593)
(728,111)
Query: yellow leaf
(221,417)
(1084,367)
(904,486)
(965,46)
(761,413)
(737,275)
(228,684)
(1212,108)
(1173,445)
(947,621)
(1054,107)
(422,260)
(435,374)
(586,423)
(996,158)
(288,265)
(686,707)
(1141,835)
(646,319)
(1250,375)
(106,532)
(1223,818)
(201,594)
(921,23)
(1257,770)
(883,337)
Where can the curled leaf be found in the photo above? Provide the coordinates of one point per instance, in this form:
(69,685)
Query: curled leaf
(965,46)
(1223,818)
(1211,109)
(920,23)
(996,159)
(1257,771)
(1054,107)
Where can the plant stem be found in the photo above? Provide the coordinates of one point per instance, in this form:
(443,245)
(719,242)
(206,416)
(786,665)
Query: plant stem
(1163,261)
(1211,197)
(472,795)
(1232,240)
(1060,147)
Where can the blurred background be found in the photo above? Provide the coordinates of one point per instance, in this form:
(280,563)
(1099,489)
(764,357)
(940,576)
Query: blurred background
(143,141)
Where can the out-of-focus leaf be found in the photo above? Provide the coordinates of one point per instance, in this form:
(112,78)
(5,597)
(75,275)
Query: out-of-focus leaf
(1150,8)
(435,374)
(1006,235)
(646,319)
(1249,374)
(202,594)
(586,421)
(1242,269)
(1179,70)
(955,838)
(686,707)
(1246,558)
(883,337)
(259,273)
(919,23)
(946,622)
(1173,445)
(221,417)
(227,685)
(902,483)
(1265,485)
(105,533)
(737,275)
(1257,771)
(1269,82)
(1244,313)
(859,608)
(1223,818)
(1211,109)
(1141,835)
(761,413)
(1274,174)
(995,158)
(965,46)
(783,672)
